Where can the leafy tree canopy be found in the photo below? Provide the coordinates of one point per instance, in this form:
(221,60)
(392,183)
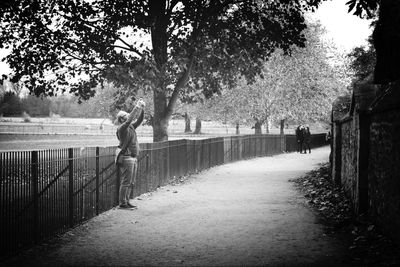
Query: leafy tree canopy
(363,60)
(386,36)
(165,46)
(10,104)
(299,87)
(71,43)
(364,8)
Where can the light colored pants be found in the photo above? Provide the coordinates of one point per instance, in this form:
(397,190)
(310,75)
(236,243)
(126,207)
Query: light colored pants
(129,179)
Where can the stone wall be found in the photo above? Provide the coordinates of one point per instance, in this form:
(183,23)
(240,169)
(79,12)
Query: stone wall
(366,158)
(384,170)
(348,172)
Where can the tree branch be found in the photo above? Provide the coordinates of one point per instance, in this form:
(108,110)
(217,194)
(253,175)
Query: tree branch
(130,47)
(93,63)
(91,24)
(179,85)
(127,49)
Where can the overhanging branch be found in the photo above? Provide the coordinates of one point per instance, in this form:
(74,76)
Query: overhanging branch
(179,85)
(91,24)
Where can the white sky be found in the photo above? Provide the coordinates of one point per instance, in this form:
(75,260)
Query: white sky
(345,30)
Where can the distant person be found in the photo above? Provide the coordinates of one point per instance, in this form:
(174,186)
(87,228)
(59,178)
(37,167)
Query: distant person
(307,139)
(129,145)
(300,138)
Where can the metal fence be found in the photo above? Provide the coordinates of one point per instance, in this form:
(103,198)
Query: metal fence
(46,192)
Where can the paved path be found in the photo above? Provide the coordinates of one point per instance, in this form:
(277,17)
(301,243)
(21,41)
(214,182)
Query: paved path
(243,213)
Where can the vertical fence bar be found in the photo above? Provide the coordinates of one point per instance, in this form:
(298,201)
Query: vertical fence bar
(71,187)
(34,172)
(209,153)
(149,156)
(97,181)
(8,194)
(12,194)
(2,206)
(232,159)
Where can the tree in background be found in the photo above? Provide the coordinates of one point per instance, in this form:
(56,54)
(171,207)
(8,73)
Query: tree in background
(187,118)
(193,107)
(185,111)
(102,105)
(231,106)
(386,36)
(200,110)
(299,86)
(310,79)
(10,104)
(2,90)
(72,45)
(35,106)
(64,106)
(362,62)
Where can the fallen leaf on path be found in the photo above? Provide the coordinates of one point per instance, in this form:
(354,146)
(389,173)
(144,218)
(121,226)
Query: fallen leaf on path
(366,243)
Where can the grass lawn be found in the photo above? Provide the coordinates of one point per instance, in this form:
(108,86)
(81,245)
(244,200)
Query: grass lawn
(45,133)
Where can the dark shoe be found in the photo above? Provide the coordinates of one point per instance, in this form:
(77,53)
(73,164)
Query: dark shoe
(124,206)
(131,206)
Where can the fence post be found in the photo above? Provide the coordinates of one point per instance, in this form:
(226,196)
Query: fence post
(35,181)
(210,163)
(148,151)
(231,148)
(286,143)
(97,181)
(71,187)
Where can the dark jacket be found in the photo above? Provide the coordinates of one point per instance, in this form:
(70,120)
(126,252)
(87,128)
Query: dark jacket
(299,135)
(127,132)
(307,135)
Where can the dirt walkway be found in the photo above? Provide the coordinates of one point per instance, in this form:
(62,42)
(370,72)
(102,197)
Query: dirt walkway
(243,213)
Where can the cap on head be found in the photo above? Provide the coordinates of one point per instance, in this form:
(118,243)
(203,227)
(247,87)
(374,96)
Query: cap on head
(121,114)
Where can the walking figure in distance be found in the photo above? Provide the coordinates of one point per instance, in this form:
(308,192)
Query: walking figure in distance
(300,138)
(128,142)
(307,139)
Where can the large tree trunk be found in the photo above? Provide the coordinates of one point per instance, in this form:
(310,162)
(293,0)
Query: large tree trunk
(161,117)
(257,127)
(187,123)
(237,128)
(197,130)
(159,39)
(266,126)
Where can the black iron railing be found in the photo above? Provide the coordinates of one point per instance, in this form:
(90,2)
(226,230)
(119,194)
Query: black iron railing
(46,192)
